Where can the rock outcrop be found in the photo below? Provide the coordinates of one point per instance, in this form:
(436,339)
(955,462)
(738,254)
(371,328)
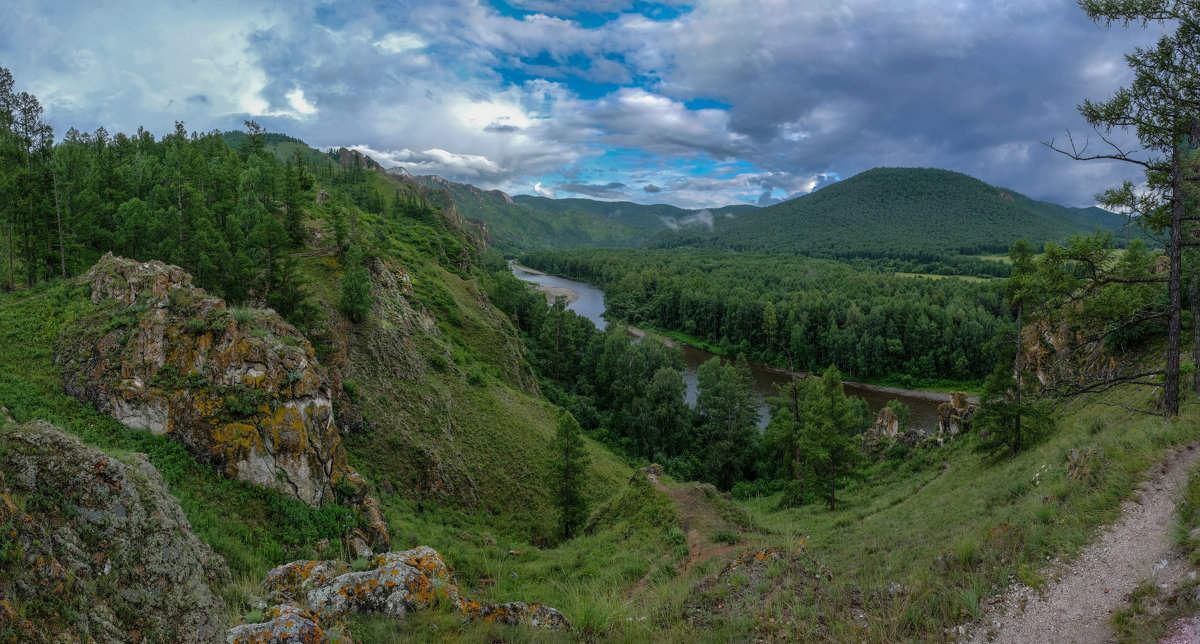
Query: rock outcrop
(1060,357)
(327,593)
(241,390)
(887,424)
(953,415)
(101,551)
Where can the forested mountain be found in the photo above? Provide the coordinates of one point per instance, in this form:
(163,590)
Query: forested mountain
(906,213)
(524,222)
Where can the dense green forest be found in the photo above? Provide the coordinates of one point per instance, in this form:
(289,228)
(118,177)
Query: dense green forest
(916,214)
(230,215)
(809,313)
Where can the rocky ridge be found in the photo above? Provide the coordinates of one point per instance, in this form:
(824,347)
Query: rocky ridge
(94,548)
(242,390)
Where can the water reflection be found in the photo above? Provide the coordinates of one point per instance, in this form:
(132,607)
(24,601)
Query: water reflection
(922,411)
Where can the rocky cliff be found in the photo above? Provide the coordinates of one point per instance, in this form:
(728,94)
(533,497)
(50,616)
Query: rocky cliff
(241,389)
(93,548)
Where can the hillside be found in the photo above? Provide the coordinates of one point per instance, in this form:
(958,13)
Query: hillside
(525,222)
(430,392)
(910,213)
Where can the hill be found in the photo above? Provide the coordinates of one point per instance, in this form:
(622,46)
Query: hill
(430,393)
(526,222)
(910,213)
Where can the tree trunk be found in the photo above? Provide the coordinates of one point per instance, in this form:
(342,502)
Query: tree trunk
(831,480)
(1174,319)
(1017,379)
(1194,298)
(62,247)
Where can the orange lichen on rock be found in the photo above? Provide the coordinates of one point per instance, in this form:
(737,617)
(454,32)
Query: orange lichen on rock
(287,624)
(246,397)
(292,581)
(416,579)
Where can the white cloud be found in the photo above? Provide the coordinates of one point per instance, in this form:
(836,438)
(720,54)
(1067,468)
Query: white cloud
(542,191)
(399,43)
(299,104)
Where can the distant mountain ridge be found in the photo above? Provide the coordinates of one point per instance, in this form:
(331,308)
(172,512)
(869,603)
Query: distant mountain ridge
(524,222)
(917,213)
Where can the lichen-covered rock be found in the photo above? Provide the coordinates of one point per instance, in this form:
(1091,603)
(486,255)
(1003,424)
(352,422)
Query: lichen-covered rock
(17,629)
(243,391)
(101,541)
(401,581)
(396,583)
(288,625)
(952,415)
(887,424)
(291,582)
(517,614)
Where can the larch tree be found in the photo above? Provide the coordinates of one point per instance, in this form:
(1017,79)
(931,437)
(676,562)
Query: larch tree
(830,423)
(1162,107)
(568,475)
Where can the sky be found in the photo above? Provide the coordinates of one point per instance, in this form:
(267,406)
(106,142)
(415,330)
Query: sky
(692,103)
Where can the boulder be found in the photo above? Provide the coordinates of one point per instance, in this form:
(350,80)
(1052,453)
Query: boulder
(92,522)
(288,625)
(243,392)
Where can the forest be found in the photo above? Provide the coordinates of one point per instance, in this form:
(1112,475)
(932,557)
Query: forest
(936,220)
(797,312)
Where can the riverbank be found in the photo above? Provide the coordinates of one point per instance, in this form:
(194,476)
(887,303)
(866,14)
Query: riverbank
(552,292)
(672,338)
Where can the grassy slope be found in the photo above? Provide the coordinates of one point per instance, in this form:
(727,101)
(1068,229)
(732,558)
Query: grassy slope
(480,424)
(943,540)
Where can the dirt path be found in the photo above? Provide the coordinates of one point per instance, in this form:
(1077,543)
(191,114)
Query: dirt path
(1077,607)
(698,519)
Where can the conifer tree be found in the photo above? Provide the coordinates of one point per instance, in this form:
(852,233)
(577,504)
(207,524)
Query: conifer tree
(568,475)
(356,287)
(1162,107)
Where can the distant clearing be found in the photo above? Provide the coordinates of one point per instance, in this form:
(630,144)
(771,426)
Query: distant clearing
(934,276)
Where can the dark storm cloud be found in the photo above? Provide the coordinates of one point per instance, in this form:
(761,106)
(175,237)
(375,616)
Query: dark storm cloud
(651,188)
(788,92)
(500,128)
(612,190)
(866,84)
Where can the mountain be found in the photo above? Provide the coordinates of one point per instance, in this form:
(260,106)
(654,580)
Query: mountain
(525,222)
(915,213)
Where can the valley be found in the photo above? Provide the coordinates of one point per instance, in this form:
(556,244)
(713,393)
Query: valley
(588,301)
(735,367)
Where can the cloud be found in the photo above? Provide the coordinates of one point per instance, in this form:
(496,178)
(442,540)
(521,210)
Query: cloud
(610,191)
(546,92)
(399,43)
(702,217)
(541,191)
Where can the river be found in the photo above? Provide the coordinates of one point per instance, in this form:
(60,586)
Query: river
(589,303)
